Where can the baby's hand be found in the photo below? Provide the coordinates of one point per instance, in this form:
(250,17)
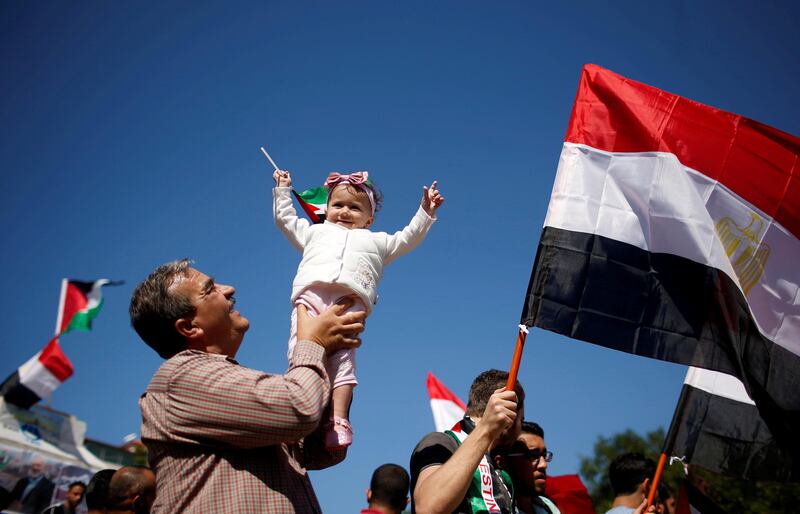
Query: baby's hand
(431,199)
(282,178)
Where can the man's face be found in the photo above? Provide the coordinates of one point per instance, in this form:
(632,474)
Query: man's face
(37,468)
(530,467)
(221,327)
(75,495)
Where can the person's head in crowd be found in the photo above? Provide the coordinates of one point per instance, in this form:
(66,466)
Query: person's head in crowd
(630,475)
(132,490)
(97,491)
(388,489)
(37,468)
(482,389)
(178,307)
(75,493)
(526,460)
(667,503)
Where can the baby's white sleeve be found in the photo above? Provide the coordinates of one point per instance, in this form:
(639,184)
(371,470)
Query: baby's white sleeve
(295,229)
(403,241)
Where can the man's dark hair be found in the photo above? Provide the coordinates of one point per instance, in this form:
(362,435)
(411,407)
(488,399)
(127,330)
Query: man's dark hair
(97,491)
(128,481)
(484,386)
(154,309)
(529,427)
(73,484)
(628,471)
(389,486)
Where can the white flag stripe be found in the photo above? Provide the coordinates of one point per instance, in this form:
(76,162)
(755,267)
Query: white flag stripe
(445,414)
(37,378)
(718,384)
(653,202)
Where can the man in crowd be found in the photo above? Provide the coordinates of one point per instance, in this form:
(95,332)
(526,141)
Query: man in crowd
(452,471)
(132,490)
(388,490)
(75,493)
(526,461)
(630,475)
(222,437)
(97,491)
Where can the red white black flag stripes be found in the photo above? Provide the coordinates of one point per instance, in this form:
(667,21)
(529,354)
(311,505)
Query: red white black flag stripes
(38,377)
(672,232)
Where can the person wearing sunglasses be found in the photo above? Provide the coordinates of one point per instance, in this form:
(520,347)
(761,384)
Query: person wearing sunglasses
(526,462)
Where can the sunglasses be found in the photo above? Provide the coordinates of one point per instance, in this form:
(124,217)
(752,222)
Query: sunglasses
(533,455)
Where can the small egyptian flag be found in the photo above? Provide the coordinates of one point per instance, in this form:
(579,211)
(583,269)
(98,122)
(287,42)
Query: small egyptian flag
(447,408)
(313,201)
(37,378)
(80,303)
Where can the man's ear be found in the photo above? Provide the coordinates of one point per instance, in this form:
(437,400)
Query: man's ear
(646,487)
(369,495)
(187,328)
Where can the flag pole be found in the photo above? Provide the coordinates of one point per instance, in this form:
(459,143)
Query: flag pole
(270,158)
(656,478)
(512,374)
(61,301)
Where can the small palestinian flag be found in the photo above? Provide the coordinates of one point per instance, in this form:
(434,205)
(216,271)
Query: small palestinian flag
(80,303)
(37,378)
(313,201)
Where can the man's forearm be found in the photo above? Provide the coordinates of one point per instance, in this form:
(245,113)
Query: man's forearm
(442,489)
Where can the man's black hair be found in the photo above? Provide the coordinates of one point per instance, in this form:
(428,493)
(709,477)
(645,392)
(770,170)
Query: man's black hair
(529,427)
(97,491)
(627,472)
(389,486)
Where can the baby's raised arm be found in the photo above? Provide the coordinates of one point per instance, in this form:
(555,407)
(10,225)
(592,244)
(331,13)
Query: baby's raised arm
(431,199)
(282,178)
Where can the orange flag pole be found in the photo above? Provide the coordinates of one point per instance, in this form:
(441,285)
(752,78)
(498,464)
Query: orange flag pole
(512,374)
(657,478)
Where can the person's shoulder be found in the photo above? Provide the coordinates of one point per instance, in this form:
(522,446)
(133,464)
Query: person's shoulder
(620,510)
(187,361)
(438,440)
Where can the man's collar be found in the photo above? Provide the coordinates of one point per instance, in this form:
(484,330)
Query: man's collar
(467,425)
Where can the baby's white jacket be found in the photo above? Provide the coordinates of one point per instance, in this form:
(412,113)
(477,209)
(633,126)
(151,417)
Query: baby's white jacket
(332,254)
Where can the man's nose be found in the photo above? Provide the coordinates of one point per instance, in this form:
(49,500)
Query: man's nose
(227,290)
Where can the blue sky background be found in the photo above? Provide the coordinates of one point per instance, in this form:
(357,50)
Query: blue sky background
(129,135)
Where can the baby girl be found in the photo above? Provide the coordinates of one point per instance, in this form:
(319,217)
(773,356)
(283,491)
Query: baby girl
(343,258)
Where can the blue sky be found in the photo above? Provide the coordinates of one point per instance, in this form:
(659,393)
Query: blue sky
(130,135)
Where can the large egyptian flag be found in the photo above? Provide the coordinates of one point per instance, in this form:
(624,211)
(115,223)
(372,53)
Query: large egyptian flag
(672,233)
(717,426)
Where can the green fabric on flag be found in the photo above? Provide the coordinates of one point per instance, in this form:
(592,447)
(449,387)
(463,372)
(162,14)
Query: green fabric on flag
(82,320)
(316,196)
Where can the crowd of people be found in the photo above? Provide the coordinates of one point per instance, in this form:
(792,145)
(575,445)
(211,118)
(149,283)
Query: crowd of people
(225,438)
(222,437)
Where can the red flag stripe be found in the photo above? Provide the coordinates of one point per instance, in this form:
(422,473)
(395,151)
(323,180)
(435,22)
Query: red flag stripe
(54,360)
(759,163)
(74,301)
(438,391)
